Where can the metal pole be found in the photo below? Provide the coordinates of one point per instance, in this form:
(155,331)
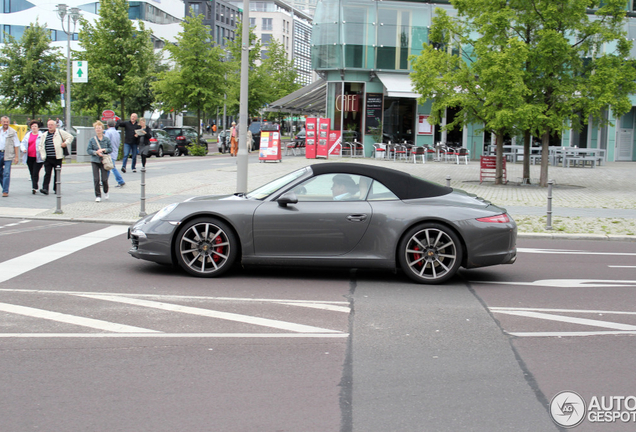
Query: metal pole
(549,221)
(58,189)
(143,193)
(68,72)
(241,169)
(448,179)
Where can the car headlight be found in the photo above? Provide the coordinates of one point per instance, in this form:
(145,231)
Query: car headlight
(164,212)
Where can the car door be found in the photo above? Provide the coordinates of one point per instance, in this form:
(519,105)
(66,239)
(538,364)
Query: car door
(318,225)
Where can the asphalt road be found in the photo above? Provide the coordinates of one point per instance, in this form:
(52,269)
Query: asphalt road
(93,339)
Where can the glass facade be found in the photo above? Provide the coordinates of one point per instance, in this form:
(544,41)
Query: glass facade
(364,34)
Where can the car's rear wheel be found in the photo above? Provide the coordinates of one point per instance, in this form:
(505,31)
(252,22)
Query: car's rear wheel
(430,253)
(160,152)
(206,247)
(176,151)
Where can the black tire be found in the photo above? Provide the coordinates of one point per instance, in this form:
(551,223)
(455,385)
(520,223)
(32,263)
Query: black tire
(430,253)
(160,152)
(176,151)
(205,247)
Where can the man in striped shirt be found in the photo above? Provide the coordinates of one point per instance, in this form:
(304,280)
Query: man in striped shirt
(54,143)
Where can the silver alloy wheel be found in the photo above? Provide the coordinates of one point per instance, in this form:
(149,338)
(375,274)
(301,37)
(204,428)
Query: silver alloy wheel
(432,254)
(205,248)
(160,152)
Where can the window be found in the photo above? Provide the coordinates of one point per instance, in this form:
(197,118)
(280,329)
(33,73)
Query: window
(266,38)
(195,9)
(252,22)
(335,187)
(267,24)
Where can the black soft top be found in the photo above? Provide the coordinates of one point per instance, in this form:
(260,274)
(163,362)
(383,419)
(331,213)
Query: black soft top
(403,185)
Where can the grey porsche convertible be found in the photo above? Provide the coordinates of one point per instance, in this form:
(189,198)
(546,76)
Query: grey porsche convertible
(332,214)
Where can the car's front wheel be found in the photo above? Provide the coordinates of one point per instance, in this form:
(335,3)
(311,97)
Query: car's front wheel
(430,253)
(206,247)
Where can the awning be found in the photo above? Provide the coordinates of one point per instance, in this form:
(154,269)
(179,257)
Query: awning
(310,99)
(398,85)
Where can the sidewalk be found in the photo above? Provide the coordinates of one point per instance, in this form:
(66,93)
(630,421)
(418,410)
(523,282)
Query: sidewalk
(600,196)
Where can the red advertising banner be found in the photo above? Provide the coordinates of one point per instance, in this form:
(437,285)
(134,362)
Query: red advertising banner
(324,127)
(311,127)
(335,142)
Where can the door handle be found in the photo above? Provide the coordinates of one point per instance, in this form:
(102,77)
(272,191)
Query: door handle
(357,217)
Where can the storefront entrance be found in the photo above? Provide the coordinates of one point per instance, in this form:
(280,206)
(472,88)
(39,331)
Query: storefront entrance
(399,119)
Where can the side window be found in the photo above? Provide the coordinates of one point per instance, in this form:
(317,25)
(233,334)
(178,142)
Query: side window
(333,187)
(379,192)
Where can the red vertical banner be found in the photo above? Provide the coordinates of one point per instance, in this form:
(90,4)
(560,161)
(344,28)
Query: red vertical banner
(335,142)
(324,127)
(311,127)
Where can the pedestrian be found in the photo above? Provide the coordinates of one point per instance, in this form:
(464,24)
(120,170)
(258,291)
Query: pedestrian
(9,151)
(144,133)
(130,141)
(40,124)
(33,158)
(53,146)
(113,135)
(98,146)
(60,123)
(233,140)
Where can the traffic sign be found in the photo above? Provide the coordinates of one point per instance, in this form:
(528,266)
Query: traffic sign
(80,71)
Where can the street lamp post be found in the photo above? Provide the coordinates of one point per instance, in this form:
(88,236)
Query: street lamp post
(71,15)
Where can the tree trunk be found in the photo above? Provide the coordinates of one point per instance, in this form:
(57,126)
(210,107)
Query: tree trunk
(198,126)
(526,156)
(545,152)
(499,155)
(123,111)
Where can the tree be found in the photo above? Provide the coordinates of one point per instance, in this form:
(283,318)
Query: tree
(576,61)
(260,83)
(33,70)
(281,70)
(197,80)
(478,81)
(120,55)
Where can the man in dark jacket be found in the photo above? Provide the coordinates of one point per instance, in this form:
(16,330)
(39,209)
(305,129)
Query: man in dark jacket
(130,141)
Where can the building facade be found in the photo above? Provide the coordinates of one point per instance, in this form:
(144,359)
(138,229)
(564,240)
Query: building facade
(361,49)
(278,20)
(161,17)
(222,17)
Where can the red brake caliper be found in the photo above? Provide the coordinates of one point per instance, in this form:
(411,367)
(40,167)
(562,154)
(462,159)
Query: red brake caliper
(218,249)
(417,256)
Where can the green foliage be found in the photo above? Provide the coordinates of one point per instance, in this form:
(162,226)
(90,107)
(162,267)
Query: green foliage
(121,60)
(197,150)
(33,71)
(528,66)
(197,80)
(281,71)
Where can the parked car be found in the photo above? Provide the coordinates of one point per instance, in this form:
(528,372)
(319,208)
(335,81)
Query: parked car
(332,215)
(299,139)
(161,143)
(183,137)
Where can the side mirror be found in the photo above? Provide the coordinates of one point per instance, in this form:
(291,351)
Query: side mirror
(287,198)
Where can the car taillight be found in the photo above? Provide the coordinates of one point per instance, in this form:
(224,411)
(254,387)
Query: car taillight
(181,138)
(502,218)
(152,140)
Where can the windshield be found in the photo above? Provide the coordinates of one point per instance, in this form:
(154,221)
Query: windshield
(271,187)
(173,132)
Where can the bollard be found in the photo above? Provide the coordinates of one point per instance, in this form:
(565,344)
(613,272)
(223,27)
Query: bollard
(549,221)
(448,179)
(58,189)
(143,193)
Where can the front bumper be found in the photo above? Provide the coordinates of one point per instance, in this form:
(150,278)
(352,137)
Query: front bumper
(152,240)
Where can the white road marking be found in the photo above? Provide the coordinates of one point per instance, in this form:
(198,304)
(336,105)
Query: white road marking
(566,319)
(570,334)
(570,283)
(14,224)
(619,266)
(603,312)
(323,306)
(22,264)
(174,335)
(71,319)
(265,322)
(182,297)
(571,252)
